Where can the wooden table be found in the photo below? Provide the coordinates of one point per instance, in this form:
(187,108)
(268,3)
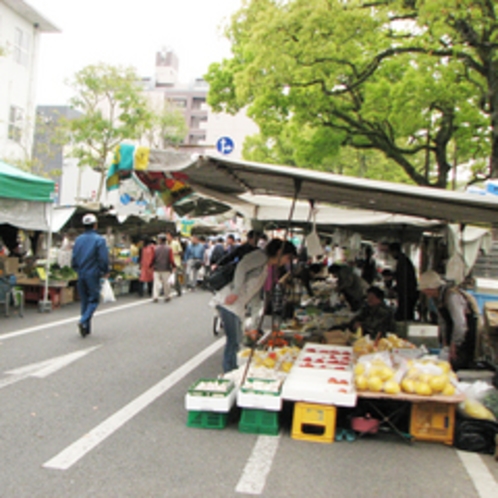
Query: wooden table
(34,289)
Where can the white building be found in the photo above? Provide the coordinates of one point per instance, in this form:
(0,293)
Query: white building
(205,127)
(20,30)
(234,127)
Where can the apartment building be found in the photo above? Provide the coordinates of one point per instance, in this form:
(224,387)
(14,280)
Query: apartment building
(20,29)
(189,98)
(205,127)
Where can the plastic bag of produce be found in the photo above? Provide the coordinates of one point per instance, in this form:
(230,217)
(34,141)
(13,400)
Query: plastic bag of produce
(473,405)
(490,401)
(376,372)
(429,376)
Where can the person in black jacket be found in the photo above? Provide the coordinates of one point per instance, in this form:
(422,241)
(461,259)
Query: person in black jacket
(236,254)
(218,252)
(406,283)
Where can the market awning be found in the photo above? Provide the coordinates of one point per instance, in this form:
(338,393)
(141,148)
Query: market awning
(175,175)
(228,179)
(25,199)
(20,185)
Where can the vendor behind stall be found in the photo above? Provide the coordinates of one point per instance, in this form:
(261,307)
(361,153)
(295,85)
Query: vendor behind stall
(457,318)
(350,285)
(375,316)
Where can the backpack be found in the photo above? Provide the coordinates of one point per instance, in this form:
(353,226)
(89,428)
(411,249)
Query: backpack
(225,271)
(222,276)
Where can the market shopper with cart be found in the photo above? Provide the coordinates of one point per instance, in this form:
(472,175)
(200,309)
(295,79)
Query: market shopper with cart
(457,318)
(90,260)
(250,276)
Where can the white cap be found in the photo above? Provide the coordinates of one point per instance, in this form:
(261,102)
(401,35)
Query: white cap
(89,219)
(430,280)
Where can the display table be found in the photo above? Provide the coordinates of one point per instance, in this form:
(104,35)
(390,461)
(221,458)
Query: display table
(432,418)
(59,292)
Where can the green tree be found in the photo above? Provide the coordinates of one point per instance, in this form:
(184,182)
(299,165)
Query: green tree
(168,128)
(411,79)
(113,109)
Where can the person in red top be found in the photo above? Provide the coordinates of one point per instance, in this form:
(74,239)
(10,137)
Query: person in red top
(163,264)
(146,271)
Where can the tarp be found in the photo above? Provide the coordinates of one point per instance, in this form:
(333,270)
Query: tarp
(465,243)
(228,178)
(65,218)
(20,185)
(60,217)
(24,214)
(25,199)
(225,180)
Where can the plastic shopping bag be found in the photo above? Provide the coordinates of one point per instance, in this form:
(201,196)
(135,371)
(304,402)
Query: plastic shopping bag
(106,292)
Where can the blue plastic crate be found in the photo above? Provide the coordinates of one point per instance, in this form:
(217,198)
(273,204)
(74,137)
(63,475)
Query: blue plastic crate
(482,298)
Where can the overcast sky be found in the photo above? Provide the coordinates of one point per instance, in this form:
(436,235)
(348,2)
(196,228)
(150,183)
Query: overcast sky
(128,33)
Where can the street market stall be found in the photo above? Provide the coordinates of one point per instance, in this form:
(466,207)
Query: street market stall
(26,203)
(318,378)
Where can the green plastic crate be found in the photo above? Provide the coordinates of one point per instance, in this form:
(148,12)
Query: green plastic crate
(259,422)
(207,420)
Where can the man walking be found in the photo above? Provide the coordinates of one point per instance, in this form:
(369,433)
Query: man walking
(90,260)
(177,250)
(163,265)
(194,257)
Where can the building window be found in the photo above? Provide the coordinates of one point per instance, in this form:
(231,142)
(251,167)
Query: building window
(180,103)
(197,103)
(195,121)
(16,116)
(21,47)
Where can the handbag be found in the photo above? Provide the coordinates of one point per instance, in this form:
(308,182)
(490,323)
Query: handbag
(221,277)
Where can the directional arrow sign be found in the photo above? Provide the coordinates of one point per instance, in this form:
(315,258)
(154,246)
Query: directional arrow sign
(43,368)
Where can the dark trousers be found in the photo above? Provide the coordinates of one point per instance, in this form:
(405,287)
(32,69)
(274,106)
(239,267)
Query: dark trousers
(89,291)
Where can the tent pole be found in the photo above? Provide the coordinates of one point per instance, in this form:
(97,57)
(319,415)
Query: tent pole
(46,305)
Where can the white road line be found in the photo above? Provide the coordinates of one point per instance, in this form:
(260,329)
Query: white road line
(82,446)
(37,328)
(482,478)
(258,466)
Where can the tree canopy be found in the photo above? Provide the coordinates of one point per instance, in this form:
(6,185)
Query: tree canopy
(414,82)
(113,109)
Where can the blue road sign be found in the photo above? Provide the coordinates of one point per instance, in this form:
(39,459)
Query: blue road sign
(225,145)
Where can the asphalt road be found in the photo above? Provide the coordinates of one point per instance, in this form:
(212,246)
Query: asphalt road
(104,417)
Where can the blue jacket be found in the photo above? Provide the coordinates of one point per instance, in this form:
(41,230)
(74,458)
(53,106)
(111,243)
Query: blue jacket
(194,251)
(90,254)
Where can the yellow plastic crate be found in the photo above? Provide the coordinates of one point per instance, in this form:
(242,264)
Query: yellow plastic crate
(432,421)
(313,422)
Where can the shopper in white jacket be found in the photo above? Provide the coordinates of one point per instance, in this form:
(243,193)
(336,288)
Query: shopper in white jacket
(250,276)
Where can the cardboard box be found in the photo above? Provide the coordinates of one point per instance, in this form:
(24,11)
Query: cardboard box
(491,317)
(67,295)
(10,266)
(335,337)
(422,330)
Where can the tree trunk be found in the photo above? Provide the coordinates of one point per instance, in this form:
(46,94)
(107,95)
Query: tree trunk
(493,104)
(103,175)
